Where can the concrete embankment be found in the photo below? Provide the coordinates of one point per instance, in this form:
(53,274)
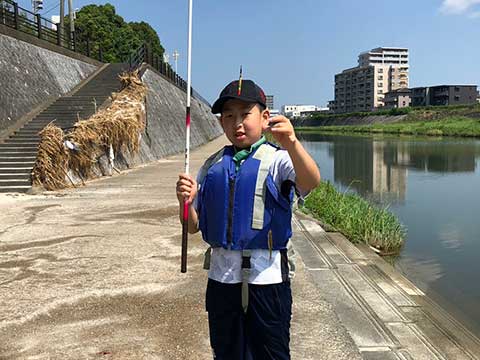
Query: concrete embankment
(31,75)
(165,122)
(387,316)
(348,120)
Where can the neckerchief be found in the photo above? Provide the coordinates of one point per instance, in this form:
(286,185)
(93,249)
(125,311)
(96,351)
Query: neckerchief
(241,155)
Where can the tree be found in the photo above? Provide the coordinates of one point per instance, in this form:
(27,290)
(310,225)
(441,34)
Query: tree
(117,38)
(148,36)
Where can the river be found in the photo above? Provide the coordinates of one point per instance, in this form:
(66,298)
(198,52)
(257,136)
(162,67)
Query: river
(433,186)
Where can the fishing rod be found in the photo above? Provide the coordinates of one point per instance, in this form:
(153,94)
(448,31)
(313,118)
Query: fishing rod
(187,140)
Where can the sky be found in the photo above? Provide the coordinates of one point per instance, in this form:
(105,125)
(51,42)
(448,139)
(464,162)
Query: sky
(293,48)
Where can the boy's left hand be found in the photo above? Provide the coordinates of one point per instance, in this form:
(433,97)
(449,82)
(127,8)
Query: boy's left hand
(282,130)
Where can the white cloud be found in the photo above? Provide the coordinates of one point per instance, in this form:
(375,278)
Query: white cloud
(458,6)
(474,15)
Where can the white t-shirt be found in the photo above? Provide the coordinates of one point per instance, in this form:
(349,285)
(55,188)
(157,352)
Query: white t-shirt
(226,265)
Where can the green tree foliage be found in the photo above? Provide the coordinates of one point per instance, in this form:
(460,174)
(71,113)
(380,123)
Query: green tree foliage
(148,35)
(107,30)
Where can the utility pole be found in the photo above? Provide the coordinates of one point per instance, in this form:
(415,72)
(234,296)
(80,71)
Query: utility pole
(62,16)
(175,57)
(70,16)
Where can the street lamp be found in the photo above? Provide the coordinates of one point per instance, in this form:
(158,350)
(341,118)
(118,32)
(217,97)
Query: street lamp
(175,57)
(37,5)
(166,58)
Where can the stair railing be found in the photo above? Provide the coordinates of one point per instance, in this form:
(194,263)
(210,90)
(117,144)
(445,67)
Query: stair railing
(144,54)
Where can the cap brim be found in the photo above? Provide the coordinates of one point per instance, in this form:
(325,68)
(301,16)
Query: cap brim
(218,105)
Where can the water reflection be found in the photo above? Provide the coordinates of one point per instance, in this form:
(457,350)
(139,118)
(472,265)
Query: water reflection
(377,168)
(372,169)
(442,157)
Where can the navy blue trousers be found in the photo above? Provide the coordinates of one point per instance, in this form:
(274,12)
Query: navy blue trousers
(262,333)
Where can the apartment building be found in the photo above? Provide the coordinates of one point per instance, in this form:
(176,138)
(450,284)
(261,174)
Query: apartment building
(270,102)
(363,87)
(398,98)
(444,95)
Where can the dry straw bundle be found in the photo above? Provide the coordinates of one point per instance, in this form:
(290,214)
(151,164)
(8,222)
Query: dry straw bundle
(118,126)
(51,166)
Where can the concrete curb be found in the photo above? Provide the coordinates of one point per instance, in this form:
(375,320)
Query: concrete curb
(387,316)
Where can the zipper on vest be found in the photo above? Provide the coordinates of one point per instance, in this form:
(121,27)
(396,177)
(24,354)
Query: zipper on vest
(231,194)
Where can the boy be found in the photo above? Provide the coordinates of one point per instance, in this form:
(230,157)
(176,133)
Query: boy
(242,203)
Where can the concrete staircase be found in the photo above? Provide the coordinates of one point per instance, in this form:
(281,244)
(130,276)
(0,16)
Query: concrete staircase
(19,151)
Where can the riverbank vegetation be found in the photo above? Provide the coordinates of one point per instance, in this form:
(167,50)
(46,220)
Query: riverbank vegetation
(356,218)
(453,126)
(461,120)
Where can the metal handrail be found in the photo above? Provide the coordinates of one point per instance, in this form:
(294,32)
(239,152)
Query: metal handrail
(26,21)
(144,54)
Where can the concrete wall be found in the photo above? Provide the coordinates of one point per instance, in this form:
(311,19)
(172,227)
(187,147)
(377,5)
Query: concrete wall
(349,120)
(166,103)
(30,75)
(165,124)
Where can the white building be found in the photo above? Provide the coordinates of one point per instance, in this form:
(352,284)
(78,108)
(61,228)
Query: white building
(55,20)
(274,112)
(297,110)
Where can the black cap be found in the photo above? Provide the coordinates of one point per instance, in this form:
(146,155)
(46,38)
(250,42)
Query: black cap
(247,91)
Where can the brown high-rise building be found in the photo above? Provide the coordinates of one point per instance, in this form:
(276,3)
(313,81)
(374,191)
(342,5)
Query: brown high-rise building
(379,71)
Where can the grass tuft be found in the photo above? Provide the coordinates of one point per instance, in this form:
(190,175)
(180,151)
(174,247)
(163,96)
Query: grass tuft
(355,218)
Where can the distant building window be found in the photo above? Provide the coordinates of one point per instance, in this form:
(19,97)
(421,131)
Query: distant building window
(380,77)
(457,98)
(457,89)
(380,70)
(380,91)
(380,84)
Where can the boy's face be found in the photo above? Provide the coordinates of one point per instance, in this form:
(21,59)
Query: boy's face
(243,122)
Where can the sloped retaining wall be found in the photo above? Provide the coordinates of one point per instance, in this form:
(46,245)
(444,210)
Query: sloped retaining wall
(349,120)
(30,75)
(164,133)
(165,107)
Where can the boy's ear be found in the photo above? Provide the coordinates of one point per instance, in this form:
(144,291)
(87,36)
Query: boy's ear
(265,116)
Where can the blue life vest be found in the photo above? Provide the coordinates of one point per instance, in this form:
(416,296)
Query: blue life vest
(243,209)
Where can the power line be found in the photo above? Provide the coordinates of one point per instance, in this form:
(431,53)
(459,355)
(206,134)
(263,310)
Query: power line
(51,9)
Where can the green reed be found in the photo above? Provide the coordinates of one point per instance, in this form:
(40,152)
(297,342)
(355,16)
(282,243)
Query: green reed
(356,218)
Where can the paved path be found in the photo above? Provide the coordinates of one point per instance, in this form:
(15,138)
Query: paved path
(93,273)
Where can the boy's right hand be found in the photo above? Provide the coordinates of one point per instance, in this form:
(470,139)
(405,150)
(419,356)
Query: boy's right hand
(186,188)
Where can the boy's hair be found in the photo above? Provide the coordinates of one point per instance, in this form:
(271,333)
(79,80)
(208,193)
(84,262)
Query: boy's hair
(262,107)
(245,90)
